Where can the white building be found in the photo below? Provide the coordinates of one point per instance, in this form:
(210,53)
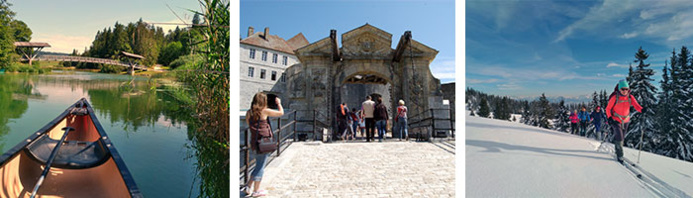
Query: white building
(264,58)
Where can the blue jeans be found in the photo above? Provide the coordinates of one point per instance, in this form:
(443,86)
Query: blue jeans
(402,127)
(260,163)
(354,126)
(381,125)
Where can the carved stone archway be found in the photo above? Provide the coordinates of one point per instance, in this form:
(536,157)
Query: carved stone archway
(365,57)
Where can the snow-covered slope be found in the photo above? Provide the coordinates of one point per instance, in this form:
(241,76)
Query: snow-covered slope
(505,159)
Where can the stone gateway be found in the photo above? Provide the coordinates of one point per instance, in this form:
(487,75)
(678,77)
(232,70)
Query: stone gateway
(365,64)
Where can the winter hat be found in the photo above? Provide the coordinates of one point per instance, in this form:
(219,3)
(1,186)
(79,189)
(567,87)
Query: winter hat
(623,84)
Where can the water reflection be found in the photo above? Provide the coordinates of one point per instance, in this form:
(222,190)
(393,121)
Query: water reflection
(11,106)
(145,120)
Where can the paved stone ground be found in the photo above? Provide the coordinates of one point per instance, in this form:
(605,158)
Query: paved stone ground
(360,169)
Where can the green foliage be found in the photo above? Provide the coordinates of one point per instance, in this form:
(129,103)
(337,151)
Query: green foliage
(111,69)
(211,87)
(6,37)
(171,52)
(20,31)
(26,68)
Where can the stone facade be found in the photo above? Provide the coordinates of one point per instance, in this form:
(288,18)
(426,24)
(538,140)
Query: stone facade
(260,53)
(364,64)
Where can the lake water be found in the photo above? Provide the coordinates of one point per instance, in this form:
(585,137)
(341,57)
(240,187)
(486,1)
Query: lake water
(144,123)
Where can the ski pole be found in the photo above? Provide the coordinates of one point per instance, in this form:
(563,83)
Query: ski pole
(640,150)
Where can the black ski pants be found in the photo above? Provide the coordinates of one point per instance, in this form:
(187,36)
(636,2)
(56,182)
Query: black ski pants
(619,131)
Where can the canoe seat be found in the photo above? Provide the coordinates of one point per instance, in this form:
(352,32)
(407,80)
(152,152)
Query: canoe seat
(72,154)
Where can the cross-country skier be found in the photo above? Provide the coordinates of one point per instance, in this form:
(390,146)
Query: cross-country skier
(584,117)
(597,118)
(618,112)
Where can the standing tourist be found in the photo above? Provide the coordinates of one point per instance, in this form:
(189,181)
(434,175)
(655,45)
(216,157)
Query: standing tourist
(256,119)
(381,118)
(367,108)
(401,120)
(354,122)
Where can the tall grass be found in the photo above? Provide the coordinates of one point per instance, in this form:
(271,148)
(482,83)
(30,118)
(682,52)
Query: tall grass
(211,87)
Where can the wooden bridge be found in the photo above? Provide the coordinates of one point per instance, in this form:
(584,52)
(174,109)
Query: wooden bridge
(83,59)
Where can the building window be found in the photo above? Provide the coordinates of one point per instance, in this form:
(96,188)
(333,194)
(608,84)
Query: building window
(262,73)
(283,78)
(252,54)
(274,75)
(264,55)
(251,71)
(274,58)
(285,60)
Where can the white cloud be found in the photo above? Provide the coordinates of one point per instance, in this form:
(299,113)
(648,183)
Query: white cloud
(509,86)
(599,16)
(619,75)
(63,43)
(612,64)
(528,74)
(479,81)
(444,69)
(629,35)
(171,24)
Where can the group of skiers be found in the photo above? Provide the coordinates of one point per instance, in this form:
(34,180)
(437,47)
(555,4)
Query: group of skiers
(617,114)
(580,120)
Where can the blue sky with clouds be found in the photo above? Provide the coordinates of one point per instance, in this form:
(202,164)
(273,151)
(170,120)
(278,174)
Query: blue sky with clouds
(72,24)
(568,48)
(431,22)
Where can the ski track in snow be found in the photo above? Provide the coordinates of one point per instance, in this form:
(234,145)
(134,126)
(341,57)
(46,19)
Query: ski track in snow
(505,159)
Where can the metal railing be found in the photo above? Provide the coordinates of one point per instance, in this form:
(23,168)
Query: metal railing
(311,124)
(285,136)
(432,123)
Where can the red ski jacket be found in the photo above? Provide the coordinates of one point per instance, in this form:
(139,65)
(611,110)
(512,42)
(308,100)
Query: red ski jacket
(573,118)
(620,110)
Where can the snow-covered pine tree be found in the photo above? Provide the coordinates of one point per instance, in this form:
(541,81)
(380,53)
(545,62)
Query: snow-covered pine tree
(562,118)
(664,106)
(545,114)
(676,142)
(526,113)
(603,99)
(484,109)
(643,91)
(502,110)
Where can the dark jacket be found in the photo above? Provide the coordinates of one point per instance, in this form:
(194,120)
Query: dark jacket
(598,117)
(380,112)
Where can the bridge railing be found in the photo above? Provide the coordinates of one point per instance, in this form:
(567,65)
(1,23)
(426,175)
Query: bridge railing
(86,60)
(432,123)
(284,134)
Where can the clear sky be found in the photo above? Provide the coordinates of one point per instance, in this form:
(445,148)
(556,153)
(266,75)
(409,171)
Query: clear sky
(431,22)
(72,24)
(568,48)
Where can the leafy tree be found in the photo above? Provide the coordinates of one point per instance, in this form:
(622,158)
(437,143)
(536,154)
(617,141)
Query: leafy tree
(171,52)
(6,36)
(20,31)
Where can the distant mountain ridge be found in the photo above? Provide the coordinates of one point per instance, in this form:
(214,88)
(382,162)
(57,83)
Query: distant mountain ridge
(557,99)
